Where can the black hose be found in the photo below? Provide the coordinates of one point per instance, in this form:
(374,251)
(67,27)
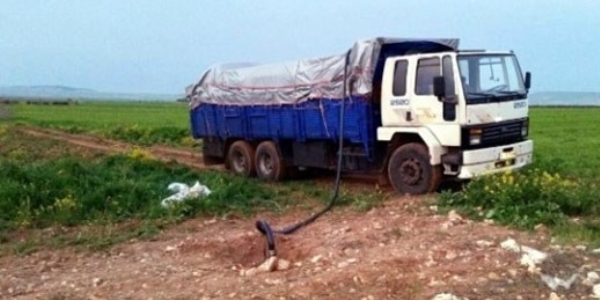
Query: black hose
(265,228)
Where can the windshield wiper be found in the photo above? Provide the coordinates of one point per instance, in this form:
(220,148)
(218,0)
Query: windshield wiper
(482,94)
(480,97)
(516,93)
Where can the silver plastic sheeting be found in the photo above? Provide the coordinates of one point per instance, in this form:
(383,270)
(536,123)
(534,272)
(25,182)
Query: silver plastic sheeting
(297,81)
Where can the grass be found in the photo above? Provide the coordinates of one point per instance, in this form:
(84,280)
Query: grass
(137,122)
(564,137)
(53,195)
(567,140)
(68,191)
(560,190)
(102,115)
(45,184)
(94,200)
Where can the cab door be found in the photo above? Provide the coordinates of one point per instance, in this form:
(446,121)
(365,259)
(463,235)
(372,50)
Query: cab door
(407,91)
(428,109)
(395,97)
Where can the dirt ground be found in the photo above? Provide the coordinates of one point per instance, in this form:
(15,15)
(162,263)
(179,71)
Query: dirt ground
(400,250)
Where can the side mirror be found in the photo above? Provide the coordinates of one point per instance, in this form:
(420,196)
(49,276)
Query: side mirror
(439,87)
(527,80)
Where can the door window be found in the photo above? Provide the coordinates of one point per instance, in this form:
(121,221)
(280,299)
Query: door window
(448,73)
(427,69)
(399,88)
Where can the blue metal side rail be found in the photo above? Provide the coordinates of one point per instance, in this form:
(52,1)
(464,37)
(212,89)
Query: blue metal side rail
(315,119)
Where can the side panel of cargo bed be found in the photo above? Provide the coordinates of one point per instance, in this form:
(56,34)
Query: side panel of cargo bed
(315,119)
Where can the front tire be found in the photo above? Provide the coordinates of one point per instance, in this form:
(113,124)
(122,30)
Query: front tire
(269,164)
(240,159)
(410,171)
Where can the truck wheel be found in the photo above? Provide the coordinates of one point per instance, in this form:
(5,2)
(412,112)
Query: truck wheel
(269,165)
(240,158)
(410,172)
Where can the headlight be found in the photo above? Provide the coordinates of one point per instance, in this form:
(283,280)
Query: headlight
(525,129)
(475,136)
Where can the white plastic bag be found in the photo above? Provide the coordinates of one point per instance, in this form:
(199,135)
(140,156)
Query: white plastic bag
(184,192)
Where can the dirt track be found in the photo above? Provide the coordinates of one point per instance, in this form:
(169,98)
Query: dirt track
(402,250)
(187,157)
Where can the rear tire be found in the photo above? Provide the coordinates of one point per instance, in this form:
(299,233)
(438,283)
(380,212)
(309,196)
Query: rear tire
(240,159)
(269,164)
(411,172)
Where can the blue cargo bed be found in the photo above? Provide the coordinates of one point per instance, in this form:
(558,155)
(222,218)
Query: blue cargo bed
(315,119)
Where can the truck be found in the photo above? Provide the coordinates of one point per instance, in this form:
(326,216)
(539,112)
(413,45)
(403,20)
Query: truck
(414,111)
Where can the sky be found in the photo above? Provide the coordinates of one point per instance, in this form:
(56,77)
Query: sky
(154,46)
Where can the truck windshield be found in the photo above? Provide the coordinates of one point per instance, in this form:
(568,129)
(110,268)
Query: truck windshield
(491,78)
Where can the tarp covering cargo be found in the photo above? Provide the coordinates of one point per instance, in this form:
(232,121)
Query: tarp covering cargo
(297,81)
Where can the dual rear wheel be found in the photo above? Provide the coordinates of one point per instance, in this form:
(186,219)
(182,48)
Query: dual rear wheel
(240,159)
(265,161)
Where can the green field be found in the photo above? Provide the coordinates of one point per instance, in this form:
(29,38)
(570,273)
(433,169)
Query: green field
(94,199)
(46,184)
(105,115)
(136,122)
(567,138)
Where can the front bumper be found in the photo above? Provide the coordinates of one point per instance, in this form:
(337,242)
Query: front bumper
(496,159)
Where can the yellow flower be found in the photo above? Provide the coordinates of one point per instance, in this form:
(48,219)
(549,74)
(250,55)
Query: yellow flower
(141,154)
(65,203)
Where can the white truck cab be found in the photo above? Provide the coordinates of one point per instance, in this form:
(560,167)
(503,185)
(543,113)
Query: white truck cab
(468,107)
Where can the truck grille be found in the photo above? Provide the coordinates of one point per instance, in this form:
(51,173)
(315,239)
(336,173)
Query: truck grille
(496,134)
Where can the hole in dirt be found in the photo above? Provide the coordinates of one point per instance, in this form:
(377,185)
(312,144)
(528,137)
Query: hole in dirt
(249,251)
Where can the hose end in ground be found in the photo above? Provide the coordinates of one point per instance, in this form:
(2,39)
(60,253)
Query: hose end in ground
(265,229)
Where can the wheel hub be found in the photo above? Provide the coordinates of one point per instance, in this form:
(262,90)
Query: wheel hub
(266,164)
(239,163)
(411,172)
